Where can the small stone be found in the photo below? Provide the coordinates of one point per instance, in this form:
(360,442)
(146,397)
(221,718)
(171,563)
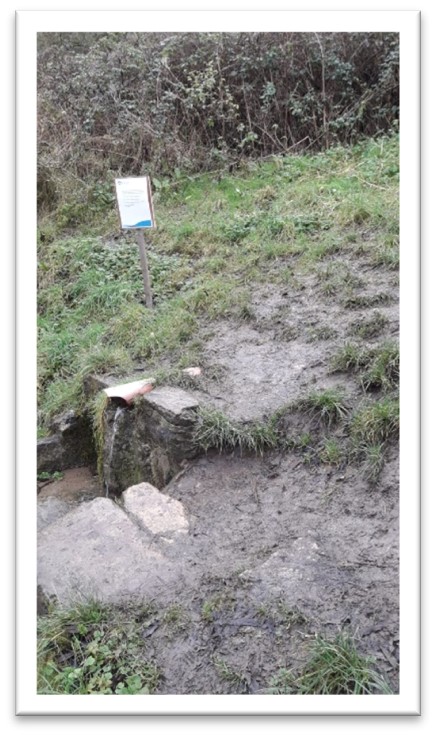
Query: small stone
(156,512)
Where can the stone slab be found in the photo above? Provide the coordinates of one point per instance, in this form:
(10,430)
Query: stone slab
(97,551)
(50,510)
(156,512)
(173,403)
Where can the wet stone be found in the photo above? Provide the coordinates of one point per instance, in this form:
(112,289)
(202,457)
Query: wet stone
(71,444)
(149,441)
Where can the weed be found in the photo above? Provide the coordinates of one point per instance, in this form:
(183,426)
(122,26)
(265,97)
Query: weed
(93,649)
(216,603)
(246,313)
(282,683)
(337,668)
(236,230)
(304,443)
(387,254)
(336,277)
(287,333)
(289,617)
(379,366)
(50,477)
(321,333)
(265,195)
(207,611)
(230,675)
(370,327)
(176,618)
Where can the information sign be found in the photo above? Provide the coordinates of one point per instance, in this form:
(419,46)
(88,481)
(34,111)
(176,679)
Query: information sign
(135,203)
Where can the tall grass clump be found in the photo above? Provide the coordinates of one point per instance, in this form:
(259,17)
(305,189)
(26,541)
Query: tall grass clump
(217,431)
(328,406)
(335,667)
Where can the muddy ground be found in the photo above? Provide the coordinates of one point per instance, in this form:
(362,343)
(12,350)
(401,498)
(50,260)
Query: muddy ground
(277,552)
(279,549)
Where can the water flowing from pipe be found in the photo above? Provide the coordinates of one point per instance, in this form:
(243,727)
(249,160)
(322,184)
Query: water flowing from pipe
(118,414)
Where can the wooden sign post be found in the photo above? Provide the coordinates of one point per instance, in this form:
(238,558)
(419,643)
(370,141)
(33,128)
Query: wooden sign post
(144,266)
(135,208)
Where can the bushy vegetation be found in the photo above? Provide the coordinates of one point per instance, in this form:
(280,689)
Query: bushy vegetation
(171,103)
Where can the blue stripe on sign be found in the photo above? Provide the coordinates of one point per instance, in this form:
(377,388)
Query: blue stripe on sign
(142,223)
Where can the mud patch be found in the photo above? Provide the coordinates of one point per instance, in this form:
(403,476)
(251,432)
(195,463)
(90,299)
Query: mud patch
(285,349)
(276,553)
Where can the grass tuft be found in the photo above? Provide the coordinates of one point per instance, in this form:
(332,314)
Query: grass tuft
(328,406)
(335,667)
(384,369)
(217,431)
(376,423)
(379,367)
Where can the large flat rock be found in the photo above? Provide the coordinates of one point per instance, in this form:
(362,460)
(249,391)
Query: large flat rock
(97,550)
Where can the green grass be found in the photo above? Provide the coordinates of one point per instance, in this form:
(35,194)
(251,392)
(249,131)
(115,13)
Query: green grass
(376,423)
(331,452)
(384,370)
(365,301)
(215,430)
(50,477)
(351,357)
(217,240)
(378,367)
(373,461)
(372,428)
(327,407)
(334,667)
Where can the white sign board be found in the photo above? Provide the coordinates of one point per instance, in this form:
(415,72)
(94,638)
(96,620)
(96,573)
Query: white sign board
(134,202)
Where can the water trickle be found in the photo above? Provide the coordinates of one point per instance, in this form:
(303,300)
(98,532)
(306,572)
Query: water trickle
(118,414)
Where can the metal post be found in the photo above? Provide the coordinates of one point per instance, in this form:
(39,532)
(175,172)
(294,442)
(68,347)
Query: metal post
(144,265)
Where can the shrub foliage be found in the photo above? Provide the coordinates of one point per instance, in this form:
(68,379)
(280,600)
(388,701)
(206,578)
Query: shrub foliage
(114,103)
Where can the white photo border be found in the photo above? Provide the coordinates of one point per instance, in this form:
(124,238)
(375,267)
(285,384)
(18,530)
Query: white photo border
(407,24)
